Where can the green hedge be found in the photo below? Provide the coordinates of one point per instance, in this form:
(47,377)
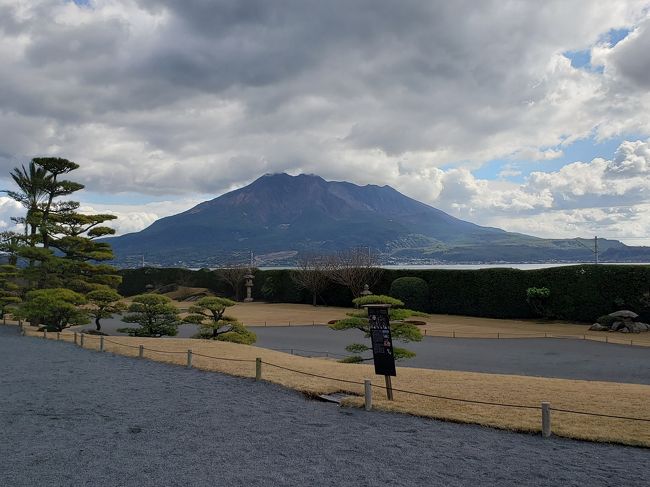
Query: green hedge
(413,292)
(579,292)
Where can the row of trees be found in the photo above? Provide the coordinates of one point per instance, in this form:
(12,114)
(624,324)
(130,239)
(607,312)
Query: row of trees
(56,274)
(353,268)
(158,316)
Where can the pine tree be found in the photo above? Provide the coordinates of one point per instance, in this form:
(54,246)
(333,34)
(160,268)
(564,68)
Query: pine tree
(58,246)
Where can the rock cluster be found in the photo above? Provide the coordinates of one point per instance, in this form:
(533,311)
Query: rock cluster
(622,321)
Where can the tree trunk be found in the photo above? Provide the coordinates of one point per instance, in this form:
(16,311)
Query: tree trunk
(314,299)
(97,324)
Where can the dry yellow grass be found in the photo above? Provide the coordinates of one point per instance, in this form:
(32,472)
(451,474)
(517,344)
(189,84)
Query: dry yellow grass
(473,327)
(281,314)
(255,313)
(451,326)
(269,314)
(590,396)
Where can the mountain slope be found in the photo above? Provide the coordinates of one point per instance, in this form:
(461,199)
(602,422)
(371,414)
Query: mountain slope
(289,214)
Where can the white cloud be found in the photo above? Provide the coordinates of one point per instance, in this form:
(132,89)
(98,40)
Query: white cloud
(163,97)
(133,218)
(606,197)
(183,98)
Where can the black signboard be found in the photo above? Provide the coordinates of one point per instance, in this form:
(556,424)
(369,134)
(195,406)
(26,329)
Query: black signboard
(382,343)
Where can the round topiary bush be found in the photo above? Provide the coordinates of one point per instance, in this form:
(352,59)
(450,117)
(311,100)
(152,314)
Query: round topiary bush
(413,291)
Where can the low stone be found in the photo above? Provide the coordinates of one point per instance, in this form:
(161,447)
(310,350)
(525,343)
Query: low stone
(637,327)
(643,326)
(623,330)
(598,327)
(624,313)
(616,326)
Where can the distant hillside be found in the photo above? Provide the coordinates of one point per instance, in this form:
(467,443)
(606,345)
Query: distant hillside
(278,216)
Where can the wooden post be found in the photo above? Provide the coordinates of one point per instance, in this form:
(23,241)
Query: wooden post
(75,337)
(367,386)
(82,340)
(546,419)
(45,334)
(189,359)
(58,335)
(454,334)
(258,368)
(141,352)
(101,343)
(606,339)
(389,388)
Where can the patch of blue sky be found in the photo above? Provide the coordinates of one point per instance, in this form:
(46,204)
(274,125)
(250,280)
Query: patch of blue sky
(82,3)
(581,59)
(615,36)
(584,150)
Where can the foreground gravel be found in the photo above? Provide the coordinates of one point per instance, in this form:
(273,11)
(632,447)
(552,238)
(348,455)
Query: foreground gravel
(72,417)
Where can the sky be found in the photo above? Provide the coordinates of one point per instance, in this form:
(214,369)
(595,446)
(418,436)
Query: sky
(529,116)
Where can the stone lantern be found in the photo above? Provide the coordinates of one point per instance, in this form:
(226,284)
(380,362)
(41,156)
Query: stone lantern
(366,290)
(249,286)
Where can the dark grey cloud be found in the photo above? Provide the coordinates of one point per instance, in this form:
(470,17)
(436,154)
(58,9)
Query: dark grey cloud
(632,57)
(171,97)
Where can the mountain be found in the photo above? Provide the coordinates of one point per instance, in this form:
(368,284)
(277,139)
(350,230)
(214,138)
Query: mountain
(278,216)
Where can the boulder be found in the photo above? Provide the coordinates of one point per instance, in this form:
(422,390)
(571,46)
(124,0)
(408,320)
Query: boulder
(643,326)
(616,326)
(637,327)
(598,327)
(625,314)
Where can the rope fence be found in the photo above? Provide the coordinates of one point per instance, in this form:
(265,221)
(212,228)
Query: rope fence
(78,339)
(606,338)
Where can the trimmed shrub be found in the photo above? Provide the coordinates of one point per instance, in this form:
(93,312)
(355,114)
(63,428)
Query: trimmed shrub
(413,291)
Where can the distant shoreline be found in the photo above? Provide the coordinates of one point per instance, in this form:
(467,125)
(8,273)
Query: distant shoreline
(463,266)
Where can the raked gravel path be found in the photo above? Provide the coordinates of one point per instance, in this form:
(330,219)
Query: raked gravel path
(73,417)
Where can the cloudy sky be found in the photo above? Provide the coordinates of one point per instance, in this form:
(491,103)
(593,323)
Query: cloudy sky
(531,116)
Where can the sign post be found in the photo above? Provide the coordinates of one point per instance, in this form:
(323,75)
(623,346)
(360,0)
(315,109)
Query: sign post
(382,344)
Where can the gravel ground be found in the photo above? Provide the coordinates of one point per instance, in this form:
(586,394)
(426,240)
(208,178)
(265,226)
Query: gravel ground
(74,417)
(560,358)
(542,357)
